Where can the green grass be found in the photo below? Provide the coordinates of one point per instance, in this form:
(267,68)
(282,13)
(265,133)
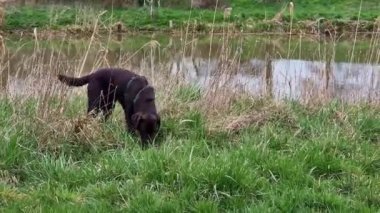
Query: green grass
(247,15)
(301,159)
(309,10)
(135,18)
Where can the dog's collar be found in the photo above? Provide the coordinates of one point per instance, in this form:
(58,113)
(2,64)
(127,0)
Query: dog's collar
(138,94)
(130,81)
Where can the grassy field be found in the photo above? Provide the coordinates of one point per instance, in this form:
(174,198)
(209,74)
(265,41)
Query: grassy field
(218,151)
(282,157)
(249,16)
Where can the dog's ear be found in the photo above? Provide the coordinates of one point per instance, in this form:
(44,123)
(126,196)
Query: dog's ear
(137,117)
(145,80)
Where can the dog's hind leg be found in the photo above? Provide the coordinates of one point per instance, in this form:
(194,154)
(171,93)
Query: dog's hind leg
(108,103)
(94,94)
(107,109)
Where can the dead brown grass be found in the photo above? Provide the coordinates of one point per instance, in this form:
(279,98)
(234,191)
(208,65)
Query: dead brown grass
(257,115)
(2,15)
(82,131)
(8,178)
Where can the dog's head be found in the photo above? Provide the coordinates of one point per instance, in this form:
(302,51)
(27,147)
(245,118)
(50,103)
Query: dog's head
(145,118)
(147,124)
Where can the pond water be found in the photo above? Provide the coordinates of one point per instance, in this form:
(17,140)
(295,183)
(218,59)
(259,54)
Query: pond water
(298,68)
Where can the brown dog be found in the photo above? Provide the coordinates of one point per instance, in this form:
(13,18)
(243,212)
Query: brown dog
(137,98)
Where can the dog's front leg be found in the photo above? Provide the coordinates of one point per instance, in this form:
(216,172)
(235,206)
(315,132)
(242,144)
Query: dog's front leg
(128,111)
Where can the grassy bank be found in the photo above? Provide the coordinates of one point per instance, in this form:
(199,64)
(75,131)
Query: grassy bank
(309,16)
(282,157)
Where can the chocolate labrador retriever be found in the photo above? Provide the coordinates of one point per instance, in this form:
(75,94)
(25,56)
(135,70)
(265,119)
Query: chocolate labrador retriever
(132,91)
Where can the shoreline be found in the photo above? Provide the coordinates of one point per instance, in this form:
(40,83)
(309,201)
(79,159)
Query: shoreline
(87,32)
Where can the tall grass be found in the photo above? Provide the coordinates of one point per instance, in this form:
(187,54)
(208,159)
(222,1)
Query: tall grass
(219,149)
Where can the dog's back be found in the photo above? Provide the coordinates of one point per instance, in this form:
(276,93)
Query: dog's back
(115,76)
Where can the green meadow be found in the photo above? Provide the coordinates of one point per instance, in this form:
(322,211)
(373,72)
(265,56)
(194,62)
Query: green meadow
(287,157)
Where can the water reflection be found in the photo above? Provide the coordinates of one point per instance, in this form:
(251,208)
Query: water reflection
(261,72)
(291,79)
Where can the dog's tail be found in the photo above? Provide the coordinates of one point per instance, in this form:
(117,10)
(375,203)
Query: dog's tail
(72,81)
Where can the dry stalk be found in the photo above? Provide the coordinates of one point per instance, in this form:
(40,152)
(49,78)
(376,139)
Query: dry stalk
(91,41)
(220,93)
(356,33)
